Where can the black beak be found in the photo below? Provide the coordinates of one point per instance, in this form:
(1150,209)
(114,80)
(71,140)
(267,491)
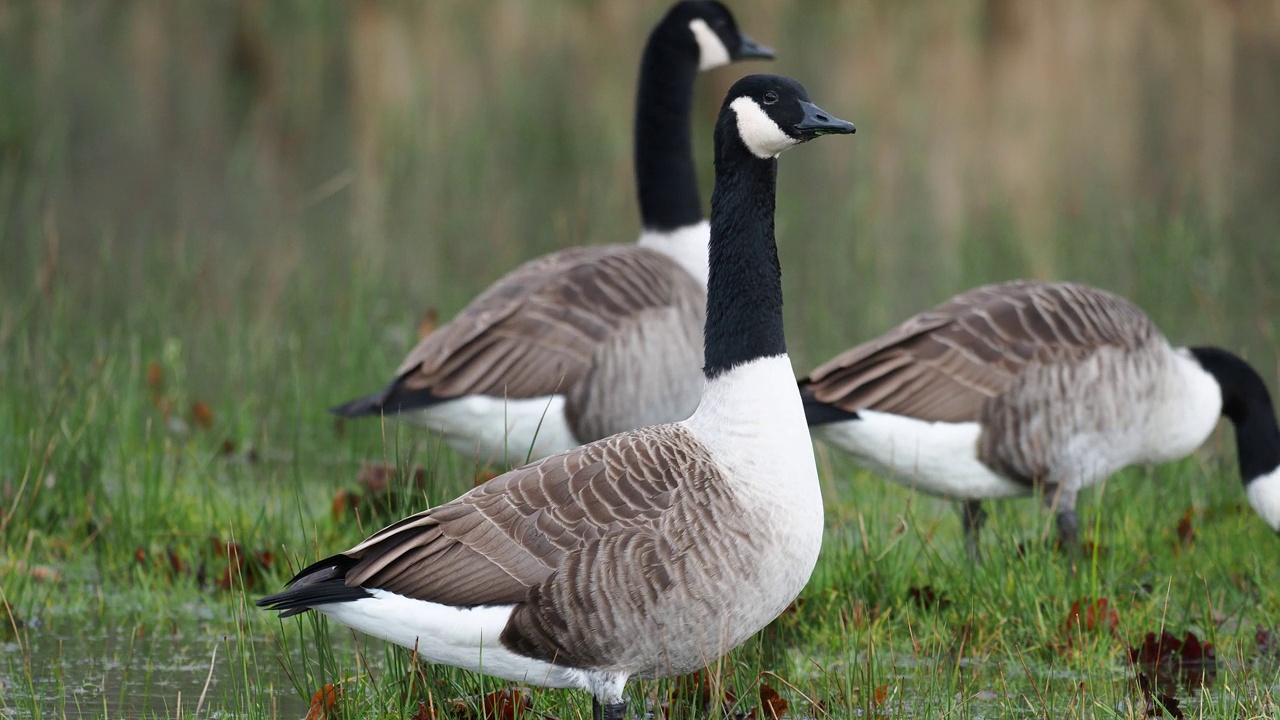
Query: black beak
(749,49)
(817,122)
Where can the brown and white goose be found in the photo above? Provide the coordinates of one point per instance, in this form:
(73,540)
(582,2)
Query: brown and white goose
(1008,387)
(589,341)
(649,553)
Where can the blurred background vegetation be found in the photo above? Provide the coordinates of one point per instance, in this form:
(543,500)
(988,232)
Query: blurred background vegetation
(293,169)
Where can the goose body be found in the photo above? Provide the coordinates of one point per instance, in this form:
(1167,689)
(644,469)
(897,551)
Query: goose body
(646,554)
(587,342)
(1023,385)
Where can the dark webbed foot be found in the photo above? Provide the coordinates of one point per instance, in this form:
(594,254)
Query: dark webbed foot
(610,711)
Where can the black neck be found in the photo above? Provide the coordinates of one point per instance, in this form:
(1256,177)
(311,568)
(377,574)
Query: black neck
(1247,403)
(744,290)
(665,175)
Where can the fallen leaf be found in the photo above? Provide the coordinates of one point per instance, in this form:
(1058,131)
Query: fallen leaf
(1265,641)
(323,702)
(155,378)
(429,322)
(774,706)
(201,415)
(344,502)
(1186,531)
(1167,649)
(9,618)
(425,712)
(376,477)
(45,573)
(927,598)
(505,704)
(1093,615)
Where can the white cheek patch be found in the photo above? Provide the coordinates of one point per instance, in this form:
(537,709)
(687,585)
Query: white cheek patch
(1264,496)
(711,50)
(758,131)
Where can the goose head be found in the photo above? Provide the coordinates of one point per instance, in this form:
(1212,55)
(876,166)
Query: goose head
(1247,404)
(715,34)
(774,113)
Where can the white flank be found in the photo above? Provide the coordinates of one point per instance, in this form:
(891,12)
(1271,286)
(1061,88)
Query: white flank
(938,458)
(711,50)
(1184,411)
(1264,495)
(686,245)
(758,131)
(473,425)
(462,637)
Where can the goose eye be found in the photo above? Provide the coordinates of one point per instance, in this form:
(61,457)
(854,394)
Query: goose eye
(770,97)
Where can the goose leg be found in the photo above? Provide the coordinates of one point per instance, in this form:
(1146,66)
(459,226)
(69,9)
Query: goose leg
(974,516)
(1069,530)
(611,711)
(1064,501)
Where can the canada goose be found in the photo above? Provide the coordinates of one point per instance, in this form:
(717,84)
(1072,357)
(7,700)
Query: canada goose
(588,341)
(1023,384)
(649,553)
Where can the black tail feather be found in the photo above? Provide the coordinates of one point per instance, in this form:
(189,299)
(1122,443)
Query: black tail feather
(389,401)
(360,407)
(321,583)
(817,412)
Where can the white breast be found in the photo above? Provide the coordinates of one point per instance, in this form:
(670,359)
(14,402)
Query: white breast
(752,422)
(686,245)
(1185,409)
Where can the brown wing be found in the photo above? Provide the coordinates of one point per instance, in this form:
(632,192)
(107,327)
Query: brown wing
(492,544)
(534,332)
(943,364)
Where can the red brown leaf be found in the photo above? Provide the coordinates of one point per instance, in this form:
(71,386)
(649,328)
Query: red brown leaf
(428,323)
(155,378)
(323,702)
(425,712)
(201,415)
(1186,530)
(505,704)
(773,704)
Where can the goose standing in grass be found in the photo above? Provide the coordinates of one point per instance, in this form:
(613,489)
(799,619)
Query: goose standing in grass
(590,341)
(647,554)
(1010,387)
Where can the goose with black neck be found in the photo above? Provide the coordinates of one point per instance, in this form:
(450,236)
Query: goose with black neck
(589,341)
(596,565)
(1007,389)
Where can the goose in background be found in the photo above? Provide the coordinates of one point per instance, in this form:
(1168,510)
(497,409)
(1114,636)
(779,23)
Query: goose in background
(1010,387)
(649,553)
(588,341)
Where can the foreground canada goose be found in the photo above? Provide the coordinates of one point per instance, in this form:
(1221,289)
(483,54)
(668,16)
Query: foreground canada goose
(1023,384)
(647,554)
(589,341)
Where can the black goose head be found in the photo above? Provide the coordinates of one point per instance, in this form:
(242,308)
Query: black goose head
(773,113)
(1247,404)
(713,33)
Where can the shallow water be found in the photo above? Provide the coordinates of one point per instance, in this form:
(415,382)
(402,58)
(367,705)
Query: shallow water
(108,668)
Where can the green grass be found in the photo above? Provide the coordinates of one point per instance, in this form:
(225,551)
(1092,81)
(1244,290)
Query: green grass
(201,235)
(119,501)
